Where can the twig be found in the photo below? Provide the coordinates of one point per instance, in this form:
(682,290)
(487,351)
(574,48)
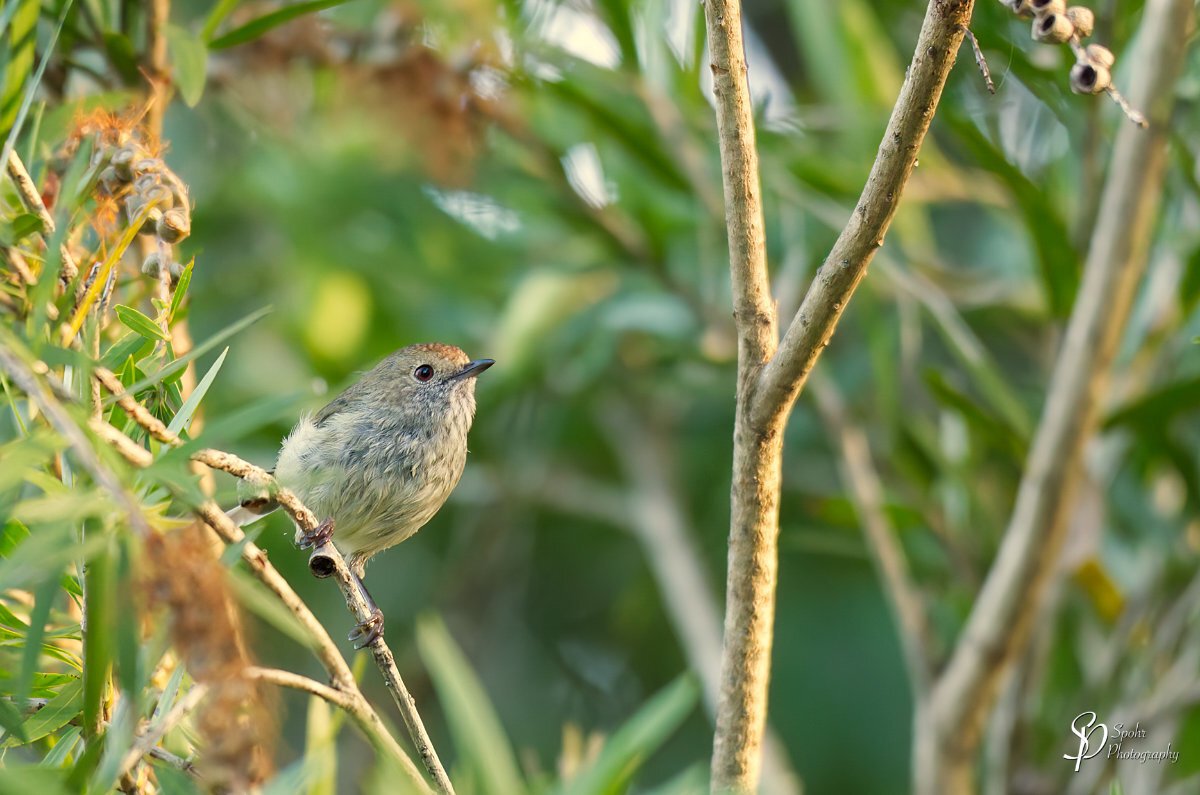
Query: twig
(304,518)
(999,627)
(34,204)
(356,600)
(148,739)
(866,493)
(177,762)
(831,290)
(980,61)
(282,678)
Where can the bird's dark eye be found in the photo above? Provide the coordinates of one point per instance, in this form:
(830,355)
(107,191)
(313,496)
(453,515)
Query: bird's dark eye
(423,373)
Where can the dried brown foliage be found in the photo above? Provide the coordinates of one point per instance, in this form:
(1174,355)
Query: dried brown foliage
(185,577)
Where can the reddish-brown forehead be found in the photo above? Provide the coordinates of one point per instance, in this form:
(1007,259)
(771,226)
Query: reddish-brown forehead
(441,350)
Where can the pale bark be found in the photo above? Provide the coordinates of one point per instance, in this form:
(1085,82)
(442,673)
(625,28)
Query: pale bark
(770,380)
(999,627)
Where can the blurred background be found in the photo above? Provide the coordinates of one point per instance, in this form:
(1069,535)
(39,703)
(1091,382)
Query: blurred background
(538,182)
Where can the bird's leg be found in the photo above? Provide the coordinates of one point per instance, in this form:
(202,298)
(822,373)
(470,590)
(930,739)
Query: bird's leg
(318,536)
(371,630)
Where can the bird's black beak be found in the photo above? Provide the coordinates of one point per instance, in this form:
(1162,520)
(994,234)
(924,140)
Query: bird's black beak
(472,369)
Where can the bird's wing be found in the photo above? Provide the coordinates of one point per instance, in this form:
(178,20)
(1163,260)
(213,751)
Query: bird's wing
(339,403)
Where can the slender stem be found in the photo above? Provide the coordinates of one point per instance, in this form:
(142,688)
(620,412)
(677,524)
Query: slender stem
(999,627)
(154,733)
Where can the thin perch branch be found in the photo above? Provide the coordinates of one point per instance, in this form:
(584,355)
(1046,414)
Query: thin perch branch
(999,627)
(323,646)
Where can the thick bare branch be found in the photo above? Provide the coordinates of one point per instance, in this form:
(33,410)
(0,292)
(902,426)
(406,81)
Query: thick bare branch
(835,282)
(999,626)
(757,451)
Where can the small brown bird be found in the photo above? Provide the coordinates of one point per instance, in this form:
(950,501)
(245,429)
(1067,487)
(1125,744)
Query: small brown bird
(379,461)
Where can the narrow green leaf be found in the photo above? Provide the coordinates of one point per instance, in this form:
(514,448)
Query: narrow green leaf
(179,364)
(1058,261)
(190,58)
(127,626)
(131,346)
(478,735)
(60,711)
(25,779)
(638,738)
(172,781)
(252,30)
(122,56)
(23,16)
(183,417)
(11,720)
(320,749)
(98,646)
(31,86)
(43,601)
(57,756)
(221,10)
(185,281)
(136,321)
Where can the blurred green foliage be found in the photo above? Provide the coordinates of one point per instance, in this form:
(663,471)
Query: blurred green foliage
(538,183)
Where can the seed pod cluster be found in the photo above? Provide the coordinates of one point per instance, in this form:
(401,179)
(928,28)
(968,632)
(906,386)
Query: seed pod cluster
(1054,22)
(146,189)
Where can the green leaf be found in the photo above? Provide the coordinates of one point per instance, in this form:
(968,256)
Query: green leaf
(60,711)
(23,15)
(57,756)
(177,365)
(11,721)
(478,735)
(98,648)
(131,346)
(637,739)
(50,549)
(172,781)
(320,749)
(1153,410)
(1058,261)
(185,281)
(183,417)
(24,225)
(43,601)
(122,56)
(24,779)
(221,10)
(190,58)
(1189,288)
(252,30)
(136,321)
